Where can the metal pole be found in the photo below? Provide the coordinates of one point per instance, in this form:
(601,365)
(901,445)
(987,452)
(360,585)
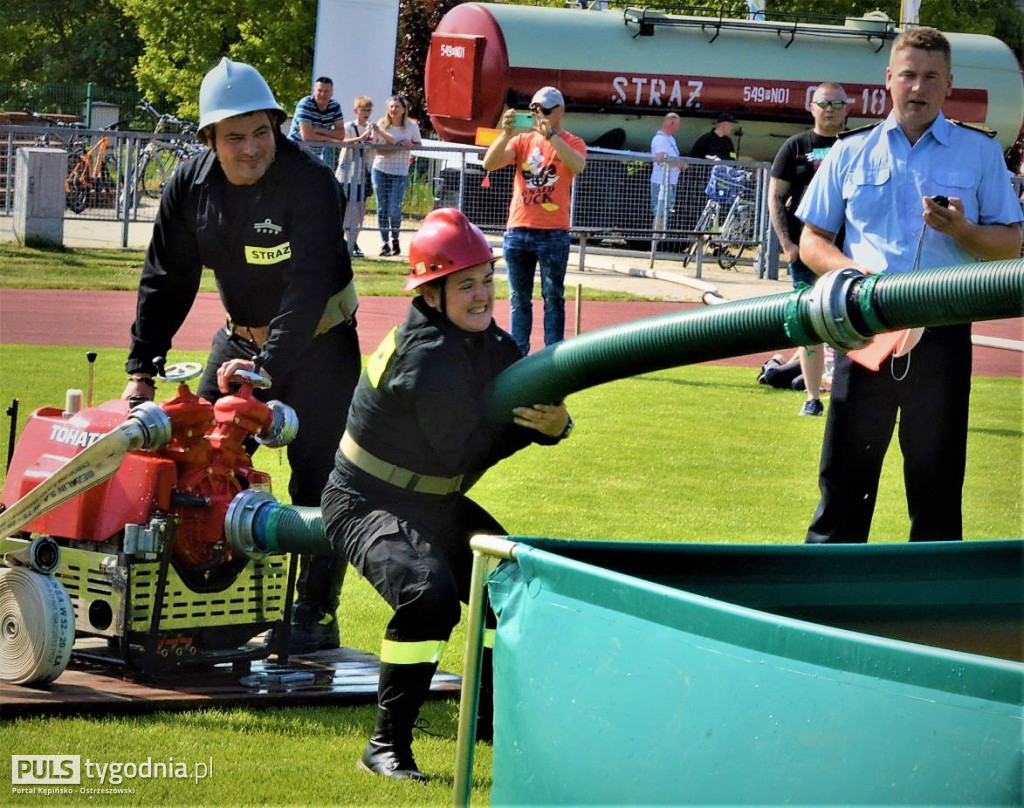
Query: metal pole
(129,188)
(88,105)
(579,309)
(660,223)
(12,413)
(487,552)
(90,357)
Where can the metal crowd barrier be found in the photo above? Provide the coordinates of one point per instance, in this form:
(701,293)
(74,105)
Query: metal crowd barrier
(611,202)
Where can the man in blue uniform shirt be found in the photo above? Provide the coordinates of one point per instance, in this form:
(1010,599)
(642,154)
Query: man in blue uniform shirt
(887,185)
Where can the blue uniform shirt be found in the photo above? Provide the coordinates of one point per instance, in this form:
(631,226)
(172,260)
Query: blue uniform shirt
(873,182)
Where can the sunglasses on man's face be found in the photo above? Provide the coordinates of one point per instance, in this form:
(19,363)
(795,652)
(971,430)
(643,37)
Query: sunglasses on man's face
(539,108)
(827,104)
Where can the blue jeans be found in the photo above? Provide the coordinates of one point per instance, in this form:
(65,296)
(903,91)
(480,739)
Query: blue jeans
(524,248)
(389,190)
(670,200)
(801,274)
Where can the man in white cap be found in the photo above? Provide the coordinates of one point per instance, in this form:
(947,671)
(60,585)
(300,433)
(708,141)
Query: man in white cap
(546,158)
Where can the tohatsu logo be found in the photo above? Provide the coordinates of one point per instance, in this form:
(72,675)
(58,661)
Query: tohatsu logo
(43,770)
(69,436)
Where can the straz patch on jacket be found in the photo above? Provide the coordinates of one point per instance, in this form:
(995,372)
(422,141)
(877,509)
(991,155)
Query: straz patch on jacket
(377,364)
(268,255)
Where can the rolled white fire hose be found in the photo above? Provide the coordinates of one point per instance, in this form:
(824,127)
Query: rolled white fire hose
(37,627)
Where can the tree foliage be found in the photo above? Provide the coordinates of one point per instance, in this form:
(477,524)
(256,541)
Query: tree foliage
(65,41)
(184,39)
(417,18)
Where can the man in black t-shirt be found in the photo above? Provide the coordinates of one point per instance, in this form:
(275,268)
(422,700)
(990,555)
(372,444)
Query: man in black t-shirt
(792,171)
(718,142)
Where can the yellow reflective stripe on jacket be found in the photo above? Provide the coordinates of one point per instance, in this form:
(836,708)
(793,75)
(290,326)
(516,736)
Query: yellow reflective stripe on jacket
(268,255)
(411,653)
(489,637)
(378,361)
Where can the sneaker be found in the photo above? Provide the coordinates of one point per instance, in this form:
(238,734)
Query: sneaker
(385,250)
(314,635)
(396,248)
(812,406)
(357,253)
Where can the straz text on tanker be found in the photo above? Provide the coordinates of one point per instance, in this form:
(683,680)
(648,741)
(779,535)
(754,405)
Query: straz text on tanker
(655,91)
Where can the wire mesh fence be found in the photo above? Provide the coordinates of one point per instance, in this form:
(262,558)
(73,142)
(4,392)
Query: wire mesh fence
(719,209)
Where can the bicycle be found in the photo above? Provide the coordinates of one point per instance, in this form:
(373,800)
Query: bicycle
(93,178)
(159,159)
(71,142)
(725,189)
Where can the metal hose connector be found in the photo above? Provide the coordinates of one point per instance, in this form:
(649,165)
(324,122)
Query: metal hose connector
(257,525)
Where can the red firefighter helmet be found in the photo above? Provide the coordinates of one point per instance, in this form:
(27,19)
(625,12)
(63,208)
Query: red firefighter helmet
(446,242)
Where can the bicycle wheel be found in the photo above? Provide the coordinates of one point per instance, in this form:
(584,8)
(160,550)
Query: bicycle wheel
(76,191)
(734,240)
(155,171)
(704,225)
(105,184)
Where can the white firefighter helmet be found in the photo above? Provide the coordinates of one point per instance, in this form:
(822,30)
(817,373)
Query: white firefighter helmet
(235,88)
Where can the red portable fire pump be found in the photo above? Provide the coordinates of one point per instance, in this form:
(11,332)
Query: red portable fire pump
(127,508)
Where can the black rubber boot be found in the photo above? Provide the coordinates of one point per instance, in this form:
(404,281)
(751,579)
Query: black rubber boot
(314,621)
(400,694)
(389,752)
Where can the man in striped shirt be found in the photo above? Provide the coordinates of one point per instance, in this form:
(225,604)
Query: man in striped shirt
(318,120)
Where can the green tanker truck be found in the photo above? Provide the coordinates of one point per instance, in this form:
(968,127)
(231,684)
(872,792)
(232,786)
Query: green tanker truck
(621,70)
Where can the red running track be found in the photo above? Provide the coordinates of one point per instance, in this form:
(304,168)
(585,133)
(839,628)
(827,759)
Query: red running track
(101,319)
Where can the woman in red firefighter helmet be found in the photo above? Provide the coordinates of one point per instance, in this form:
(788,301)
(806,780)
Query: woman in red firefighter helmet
(417,437)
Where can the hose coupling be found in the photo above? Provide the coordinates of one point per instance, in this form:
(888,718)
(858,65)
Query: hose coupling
(828,309)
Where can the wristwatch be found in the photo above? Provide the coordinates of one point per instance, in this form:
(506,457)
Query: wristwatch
(568,429)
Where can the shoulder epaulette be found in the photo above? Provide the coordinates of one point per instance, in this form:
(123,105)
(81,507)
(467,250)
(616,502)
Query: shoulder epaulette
(859,130)
(977,127)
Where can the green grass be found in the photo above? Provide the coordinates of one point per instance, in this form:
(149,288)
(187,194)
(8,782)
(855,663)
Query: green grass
(696,454)
(71,268)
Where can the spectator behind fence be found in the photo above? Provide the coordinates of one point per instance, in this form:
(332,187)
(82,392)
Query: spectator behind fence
(792,171)
(665,169)
(546,160)
(318,120)
(265,216)
(913,192)
(354,170)
(391,170)
(717,144)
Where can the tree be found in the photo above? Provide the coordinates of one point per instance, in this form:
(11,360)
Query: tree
(64,42)
(417,19)
(999,18)
(184,39)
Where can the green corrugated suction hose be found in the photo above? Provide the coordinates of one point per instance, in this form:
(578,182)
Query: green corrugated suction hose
(844,308)
(256,525)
